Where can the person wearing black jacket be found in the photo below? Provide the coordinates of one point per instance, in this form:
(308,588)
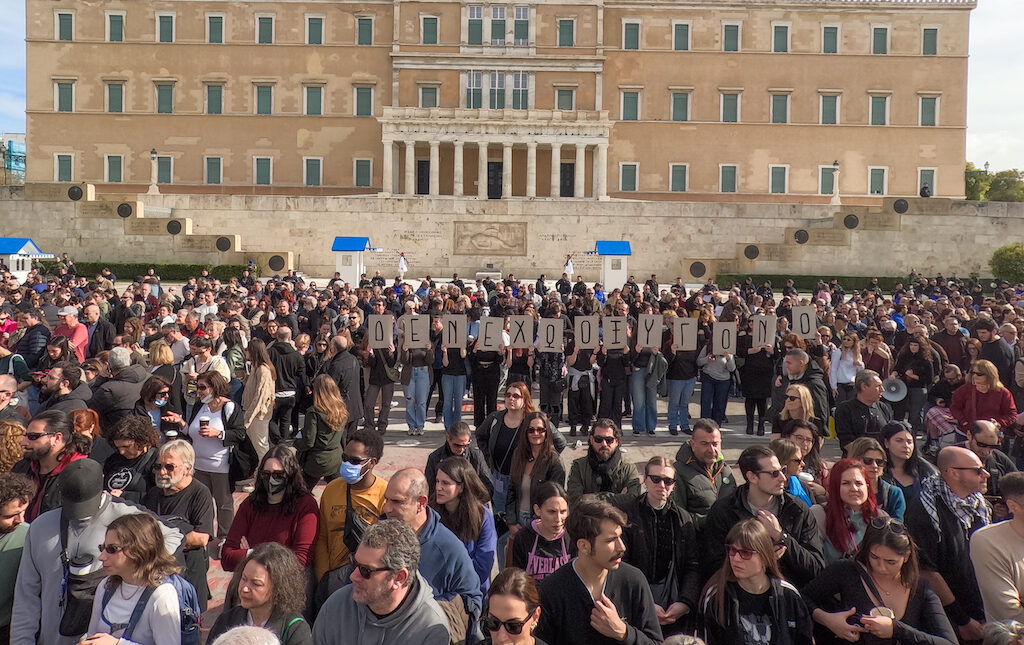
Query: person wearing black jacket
(101,332)
(379,384)
(866,413)
(563,286)
(457,443)
(344,368)
(682,379)
(763,497)
(755,378)
(288,363)
(129,473)
(32,345)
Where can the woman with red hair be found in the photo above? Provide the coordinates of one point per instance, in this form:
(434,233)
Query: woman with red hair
(849,510)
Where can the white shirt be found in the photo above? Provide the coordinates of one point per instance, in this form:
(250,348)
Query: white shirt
(843,370)
(211,453)
(160,623)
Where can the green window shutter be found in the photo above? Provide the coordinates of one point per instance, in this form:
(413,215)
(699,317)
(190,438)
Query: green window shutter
(563,99)
(312,172)
(829,110)
(680,106)
(263,171)
(728,180)
(878,110)
(430,31)
(365,31)
(731,38)
(520,99)
(314,96)
(266,31)
(681,38)
(65,29)
(497,32)
(167,29)
(780,108)
(730,108)
(474,98)
(362,172)
(63,167)
(778,180)
(926,177)
(315,29)
(116,28)
(214,99)
(163,170)
(114,169)
(628,182)
(565,29)
(65,97)
(216,27)
(264,99)
(780,40)
(115,97)
(630,106)
(877,185)
(678,179)
(828,181)
(879,41)
(830,40)
(521,32)
(928,104)
(476,31)
(631,36)
(364,101)
(213,170)
(497,99)
(930,43)
(428,97)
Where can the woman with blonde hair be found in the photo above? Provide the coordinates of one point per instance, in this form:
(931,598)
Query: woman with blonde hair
(797,405)
(846,361)
(982,397)
(319,451)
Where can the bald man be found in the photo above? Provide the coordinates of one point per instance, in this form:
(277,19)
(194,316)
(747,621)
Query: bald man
(8,392)
(941,520)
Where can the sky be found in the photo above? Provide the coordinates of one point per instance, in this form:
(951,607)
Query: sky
(995,101)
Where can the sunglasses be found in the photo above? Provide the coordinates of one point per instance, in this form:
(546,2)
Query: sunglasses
(882,523)
(607,440)
(536,430)
(668,482)
(201,388)
(744,554)
(790,397)
(267,474)
(111,548)
(513,627)
(774,474)
(513,395)
(355,461)
(364,571)
(978,470)
(868,461)
(162,395)
(32,436)
(986,445)
(161,467)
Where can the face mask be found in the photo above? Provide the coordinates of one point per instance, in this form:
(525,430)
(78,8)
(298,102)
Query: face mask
(160,402)
(275,485)
(351,473)
(207,398)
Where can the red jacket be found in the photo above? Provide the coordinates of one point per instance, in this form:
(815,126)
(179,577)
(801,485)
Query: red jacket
(970,405)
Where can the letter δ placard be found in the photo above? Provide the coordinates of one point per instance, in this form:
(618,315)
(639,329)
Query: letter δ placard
(764,330)
(489,338)
(380,330)
(723,337)
(684,333)
(416,330)
(550,333)
(615,331)
(805,322)
(587,331)
(454,330)
(648,330)
(520,331)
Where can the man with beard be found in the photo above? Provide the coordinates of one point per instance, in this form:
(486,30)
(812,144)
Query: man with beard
(597,598)
(64,389)
(48,451)
(16,492)
(179,496)
(603,472)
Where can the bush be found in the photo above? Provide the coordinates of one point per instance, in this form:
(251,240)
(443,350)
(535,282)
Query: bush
(128,271)
(1008,263)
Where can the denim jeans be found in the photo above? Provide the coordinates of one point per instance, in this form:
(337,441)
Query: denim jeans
(714,395)
(416,398)
(454,387)
(679,393)
(645,402)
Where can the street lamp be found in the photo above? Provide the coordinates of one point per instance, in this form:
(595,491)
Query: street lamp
(835,183)
(153,190)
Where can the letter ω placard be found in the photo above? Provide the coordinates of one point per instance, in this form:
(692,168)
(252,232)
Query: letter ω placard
(454,330)
(805,322)
(550,334)
(380,330)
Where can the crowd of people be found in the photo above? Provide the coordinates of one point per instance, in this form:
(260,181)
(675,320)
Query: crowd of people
(130,415)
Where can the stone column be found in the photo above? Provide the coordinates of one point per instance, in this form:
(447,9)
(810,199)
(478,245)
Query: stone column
(387,174)
(580,176)
(531,169)
(435,161)
(556,170)
(457,183)
(506,171)
(601,181)
(481,169)
(410,168)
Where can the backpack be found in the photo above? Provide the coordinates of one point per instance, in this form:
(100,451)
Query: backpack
(188,604)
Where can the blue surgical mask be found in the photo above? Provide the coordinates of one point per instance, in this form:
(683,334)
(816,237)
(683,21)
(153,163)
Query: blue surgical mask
(351,473)
(159,402)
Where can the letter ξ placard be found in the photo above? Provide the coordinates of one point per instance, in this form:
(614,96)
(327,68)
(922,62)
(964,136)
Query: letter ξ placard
(550,334)
(520,331)
(587,331)
(380,330)
(454,330)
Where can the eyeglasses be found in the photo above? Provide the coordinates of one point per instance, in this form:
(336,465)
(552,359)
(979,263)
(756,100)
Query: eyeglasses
(111,548)
(790,397)
(978,470)
(868,461)
(774,474)
(161,467)
(744,554)
(513,627)
(32,436)
(267,474)
(365,571)
(536,430)
(986,445)
(607,440)
(350,459)
(668,482)
(882,523)
(513,395)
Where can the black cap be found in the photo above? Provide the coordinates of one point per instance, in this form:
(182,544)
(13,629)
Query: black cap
(81,487)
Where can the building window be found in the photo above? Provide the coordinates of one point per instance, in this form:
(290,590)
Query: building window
(830,39)
(879,40)
(214,29)
(213,170)
(264,99)
(62,167)
(265,30)
(778,179)
(829,109)
(363,172)
(826,180)
(164,98)
(312,170)
(214,99)
(474,90)
(680,106)
(566,32)
(115,97)
(113,169)
(780,39)
(428,30)
(731,37)
(475,26)
(314,100)
(520,91)
(929,110)
(521,27)
(115,27)
(497,93)
(263,170)
(497,25)
(876,183)
(631,35)
(727,179)
(780,108)
(681,36)
(565,99)
(65,97)
(364,31)
(879,110)
(314,30)
(929,42)
(428,97)
(364,101)
(630,108)
(65,31)
(165,27)
(730,108)
(677,177)
(627,177)
(164,170)
(926,176)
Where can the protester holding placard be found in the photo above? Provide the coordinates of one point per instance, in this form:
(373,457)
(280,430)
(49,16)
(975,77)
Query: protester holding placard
(485,367)
(756,374)
(582,385)
(716,379)
(551,368)
(453,378)
(645,362)
(682,376)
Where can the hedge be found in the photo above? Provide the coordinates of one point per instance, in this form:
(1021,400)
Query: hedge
(806,283)
(174,272)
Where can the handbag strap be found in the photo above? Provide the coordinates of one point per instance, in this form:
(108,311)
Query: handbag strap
(870,584)
(288,629)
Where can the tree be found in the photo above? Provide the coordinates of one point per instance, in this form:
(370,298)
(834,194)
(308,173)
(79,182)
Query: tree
(1006,186)
(976,182)
(1008,263)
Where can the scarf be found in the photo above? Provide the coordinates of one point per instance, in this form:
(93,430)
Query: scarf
(603,470)
(967,510)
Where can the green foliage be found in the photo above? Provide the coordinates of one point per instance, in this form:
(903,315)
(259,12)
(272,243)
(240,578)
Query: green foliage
(805,283)
(976,182)
(1006,186)
(128,271)
(1008,263)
